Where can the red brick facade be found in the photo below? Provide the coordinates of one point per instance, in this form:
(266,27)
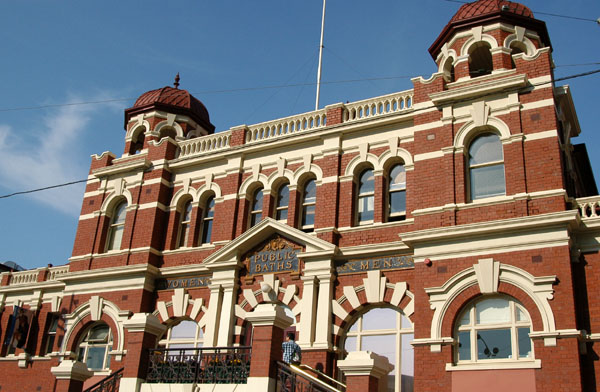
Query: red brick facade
(538,235)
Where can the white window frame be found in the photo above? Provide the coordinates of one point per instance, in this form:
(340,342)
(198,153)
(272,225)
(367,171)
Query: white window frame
(206,218)
(398,332)
(470,167)
(392,217)
(115,225)
(197,341)
(472,327)
(362,196)
(86,344)
(185,222)
(305,205)
(278,207)
(259,209)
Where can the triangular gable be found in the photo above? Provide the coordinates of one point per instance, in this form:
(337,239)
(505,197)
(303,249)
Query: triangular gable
(268,227)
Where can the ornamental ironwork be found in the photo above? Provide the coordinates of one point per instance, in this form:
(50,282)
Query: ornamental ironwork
(108,384)
(203,365)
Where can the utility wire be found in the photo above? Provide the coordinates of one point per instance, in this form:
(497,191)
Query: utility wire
(42,189)
(416,110)
(256,88)
(538,12)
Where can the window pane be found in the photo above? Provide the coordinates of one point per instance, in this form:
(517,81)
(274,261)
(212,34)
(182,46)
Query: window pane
(308,216)
(350,344)
(283,198)
(466,318)
(464,346)
(210,208)
(310,192)
(116,235)
(99,334)
(207,231)
(53,324)
(398,178)
(367,182)
(379,318)
(524,342)
(407,359)
(366,207)
(255,219)
(95,357)
(281,215)
(485,148)
(406,322)
(187,212)
(258,200)
(521,315)
(383,345)
(183,238)
(487,181)
(120,213)
(494,343)
(493,311)
(185,329)
(397,202)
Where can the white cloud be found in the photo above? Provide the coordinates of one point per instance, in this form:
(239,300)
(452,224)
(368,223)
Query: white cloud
(47,155)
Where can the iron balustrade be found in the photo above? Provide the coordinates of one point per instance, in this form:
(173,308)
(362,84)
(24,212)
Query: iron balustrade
(202,365)
(108,384)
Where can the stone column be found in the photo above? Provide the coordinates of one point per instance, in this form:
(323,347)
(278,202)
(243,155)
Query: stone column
(143,329)
(70,375)
(365,371)
(269,321)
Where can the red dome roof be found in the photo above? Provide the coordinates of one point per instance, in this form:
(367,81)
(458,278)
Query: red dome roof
(485,7)
(483,12)
(172,100)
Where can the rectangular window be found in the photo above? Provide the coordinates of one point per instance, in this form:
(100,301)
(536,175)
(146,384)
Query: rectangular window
(51,334)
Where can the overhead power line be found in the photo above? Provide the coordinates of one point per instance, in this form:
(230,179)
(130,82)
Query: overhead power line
(541,13)
(416,110)
(240,89)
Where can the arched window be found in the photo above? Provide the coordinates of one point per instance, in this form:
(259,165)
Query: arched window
(448,70)
(493,328)
(184,334)
(486,167)
(137,141)
(480,60)
(516,47)
(208,215)
(309,201)
(283,201)
(256,207)
(386,332)
(365,201)
(397,194)
(184,224)
(117,225)
(94,347)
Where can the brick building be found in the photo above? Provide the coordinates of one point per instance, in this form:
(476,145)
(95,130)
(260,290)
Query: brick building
(440,238)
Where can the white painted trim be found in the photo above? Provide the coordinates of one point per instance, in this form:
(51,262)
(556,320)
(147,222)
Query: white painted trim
(541,135)
(495,365)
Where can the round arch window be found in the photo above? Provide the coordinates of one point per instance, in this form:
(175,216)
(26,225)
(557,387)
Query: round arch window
(95,346)
(494,328)
(387,332)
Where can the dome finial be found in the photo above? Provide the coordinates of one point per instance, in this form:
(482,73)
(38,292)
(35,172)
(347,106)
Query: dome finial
(176,84)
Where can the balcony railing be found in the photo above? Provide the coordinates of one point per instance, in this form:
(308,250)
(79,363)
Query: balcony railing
(589,207)
(292,378)
(206,365)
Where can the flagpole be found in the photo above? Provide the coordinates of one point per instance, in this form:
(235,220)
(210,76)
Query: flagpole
(320,58)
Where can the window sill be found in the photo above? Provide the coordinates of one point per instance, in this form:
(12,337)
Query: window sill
(494,365)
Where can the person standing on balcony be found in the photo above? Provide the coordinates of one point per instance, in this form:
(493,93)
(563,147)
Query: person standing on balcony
(292,354)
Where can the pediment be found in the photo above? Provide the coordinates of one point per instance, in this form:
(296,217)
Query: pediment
(267,229)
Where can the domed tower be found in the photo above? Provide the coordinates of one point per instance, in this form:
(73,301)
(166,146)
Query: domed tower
(483,36)
(165,112)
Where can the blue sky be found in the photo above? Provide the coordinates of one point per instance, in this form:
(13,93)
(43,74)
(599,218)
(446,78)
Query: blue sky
(227,52)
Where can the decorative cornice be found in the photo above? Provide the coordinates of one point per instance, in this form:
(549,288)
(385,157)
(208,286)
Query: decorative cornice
(476,90)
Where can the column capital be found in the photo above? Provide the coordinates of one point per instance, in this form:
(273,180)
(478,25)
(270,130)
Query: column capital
(269,315)
(145,322)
